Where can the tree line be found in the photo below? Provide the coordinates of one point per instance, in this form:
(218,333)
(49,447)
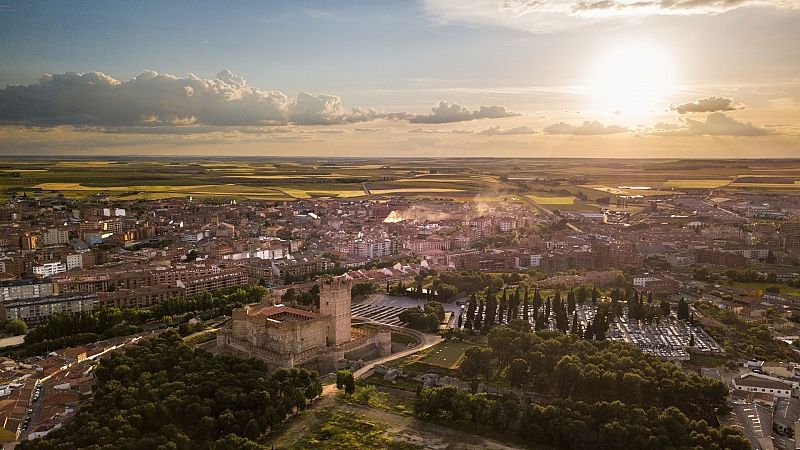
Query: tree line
(69,329)
(568,424)
(557,365)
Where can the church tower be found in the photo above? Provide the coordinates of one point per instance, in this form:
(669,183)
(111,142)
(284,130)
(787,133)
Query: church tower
(334,303)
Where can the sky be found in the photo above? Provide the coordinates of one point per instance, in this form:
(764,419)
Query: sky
(529,78)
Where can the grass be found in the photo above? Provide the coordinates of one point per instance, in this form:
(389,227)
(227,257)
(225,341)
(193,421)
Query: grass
(344,430)
(201,337)
(697,184)
(405,384)
(446,354)
(369,395)
(405,339)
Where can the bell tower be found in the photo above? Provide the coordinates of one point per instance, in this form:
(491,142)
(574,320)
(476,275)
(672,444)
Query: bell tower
(334,303)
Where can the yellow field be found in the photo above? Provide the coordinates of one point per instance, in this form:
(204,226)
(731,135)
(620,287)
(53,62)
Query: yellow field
(296,193)
(568,200)
(164,191)
(337,194)
(625,191)
(697,184)
(414,190)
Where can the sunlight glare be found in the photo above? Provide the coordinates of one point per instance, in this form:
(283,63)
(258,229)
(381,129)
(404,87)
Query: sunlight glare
(632,81)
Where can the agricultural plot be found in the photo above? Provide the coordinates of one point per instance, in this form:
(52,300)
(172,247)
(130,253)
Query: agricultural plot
(565,184)
(643,191)
(546,201)
(697,183)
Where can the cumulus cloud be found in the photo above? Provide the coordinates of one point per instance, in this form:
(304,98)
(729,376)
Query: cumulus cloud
(446,112)
(586,129)
(546,16)
(152,100)
(706,105)
(497,130)
(716,124)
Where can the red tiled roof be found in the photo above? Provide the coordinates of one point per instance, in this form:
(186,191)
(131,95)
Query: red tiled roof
(270,311)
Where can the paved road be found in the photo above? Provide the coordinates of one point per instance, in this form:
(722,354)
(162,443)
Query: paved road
(426,341)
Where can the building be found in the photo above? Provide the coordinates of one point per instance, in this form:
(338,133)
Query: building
(74,261)
(758,383)
(284,336)
(25,289)
(658,285)
(34,310)
(49,269)
(55,236)
(142,297)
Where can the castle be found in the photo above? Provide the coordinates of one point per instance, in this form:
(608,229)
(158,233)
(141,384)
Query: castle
(284,336)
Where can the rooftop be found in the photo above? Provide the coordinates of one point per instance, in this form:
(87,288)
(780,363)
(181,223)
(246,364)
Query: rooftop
(281,313)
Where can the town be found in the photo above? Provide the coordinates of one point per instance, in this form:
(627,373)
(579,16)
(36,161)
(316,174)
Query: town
(705,278)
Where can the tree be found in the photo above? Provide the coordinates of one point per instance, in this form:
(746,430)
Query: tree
(15,327)
(665,308)
(683,309)
(479,317)
(345,380)
(594,295)
(525,313)
(252,430)
(517,373)
(471,308)
(477,362)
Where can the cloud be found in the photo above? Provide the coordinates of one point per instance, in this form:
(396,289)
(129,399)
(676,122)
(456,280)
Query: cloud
(152,100)
(499,131)
(716,124)
(547,16)
(666,6)
(586,129)
(706,105)
(667,126)
(446,112)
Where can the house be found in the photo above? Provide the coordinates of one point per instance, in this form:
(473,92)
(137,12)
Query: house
(758,383)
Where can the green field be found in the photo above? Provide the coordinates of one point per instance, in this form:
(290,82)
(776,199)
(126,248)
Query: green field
(446,354)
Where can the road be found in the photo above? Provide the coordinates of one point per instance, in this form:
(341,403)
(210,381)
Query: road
(426,341)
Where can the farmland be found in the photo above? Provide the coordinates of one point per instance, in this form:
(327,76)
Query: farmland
(564,184)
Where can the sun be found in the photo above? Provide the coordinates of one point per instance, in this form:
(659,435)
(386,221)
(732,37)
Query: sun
(633,81)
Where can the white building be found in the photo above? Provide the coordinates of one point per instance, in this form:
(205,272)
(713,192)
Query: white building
(763,384)
(193,237)
(642,281)
(49,269)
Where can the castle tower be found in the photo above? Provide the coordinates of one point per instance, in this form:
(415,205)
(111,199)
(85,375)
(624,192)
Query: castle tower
(334,303)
